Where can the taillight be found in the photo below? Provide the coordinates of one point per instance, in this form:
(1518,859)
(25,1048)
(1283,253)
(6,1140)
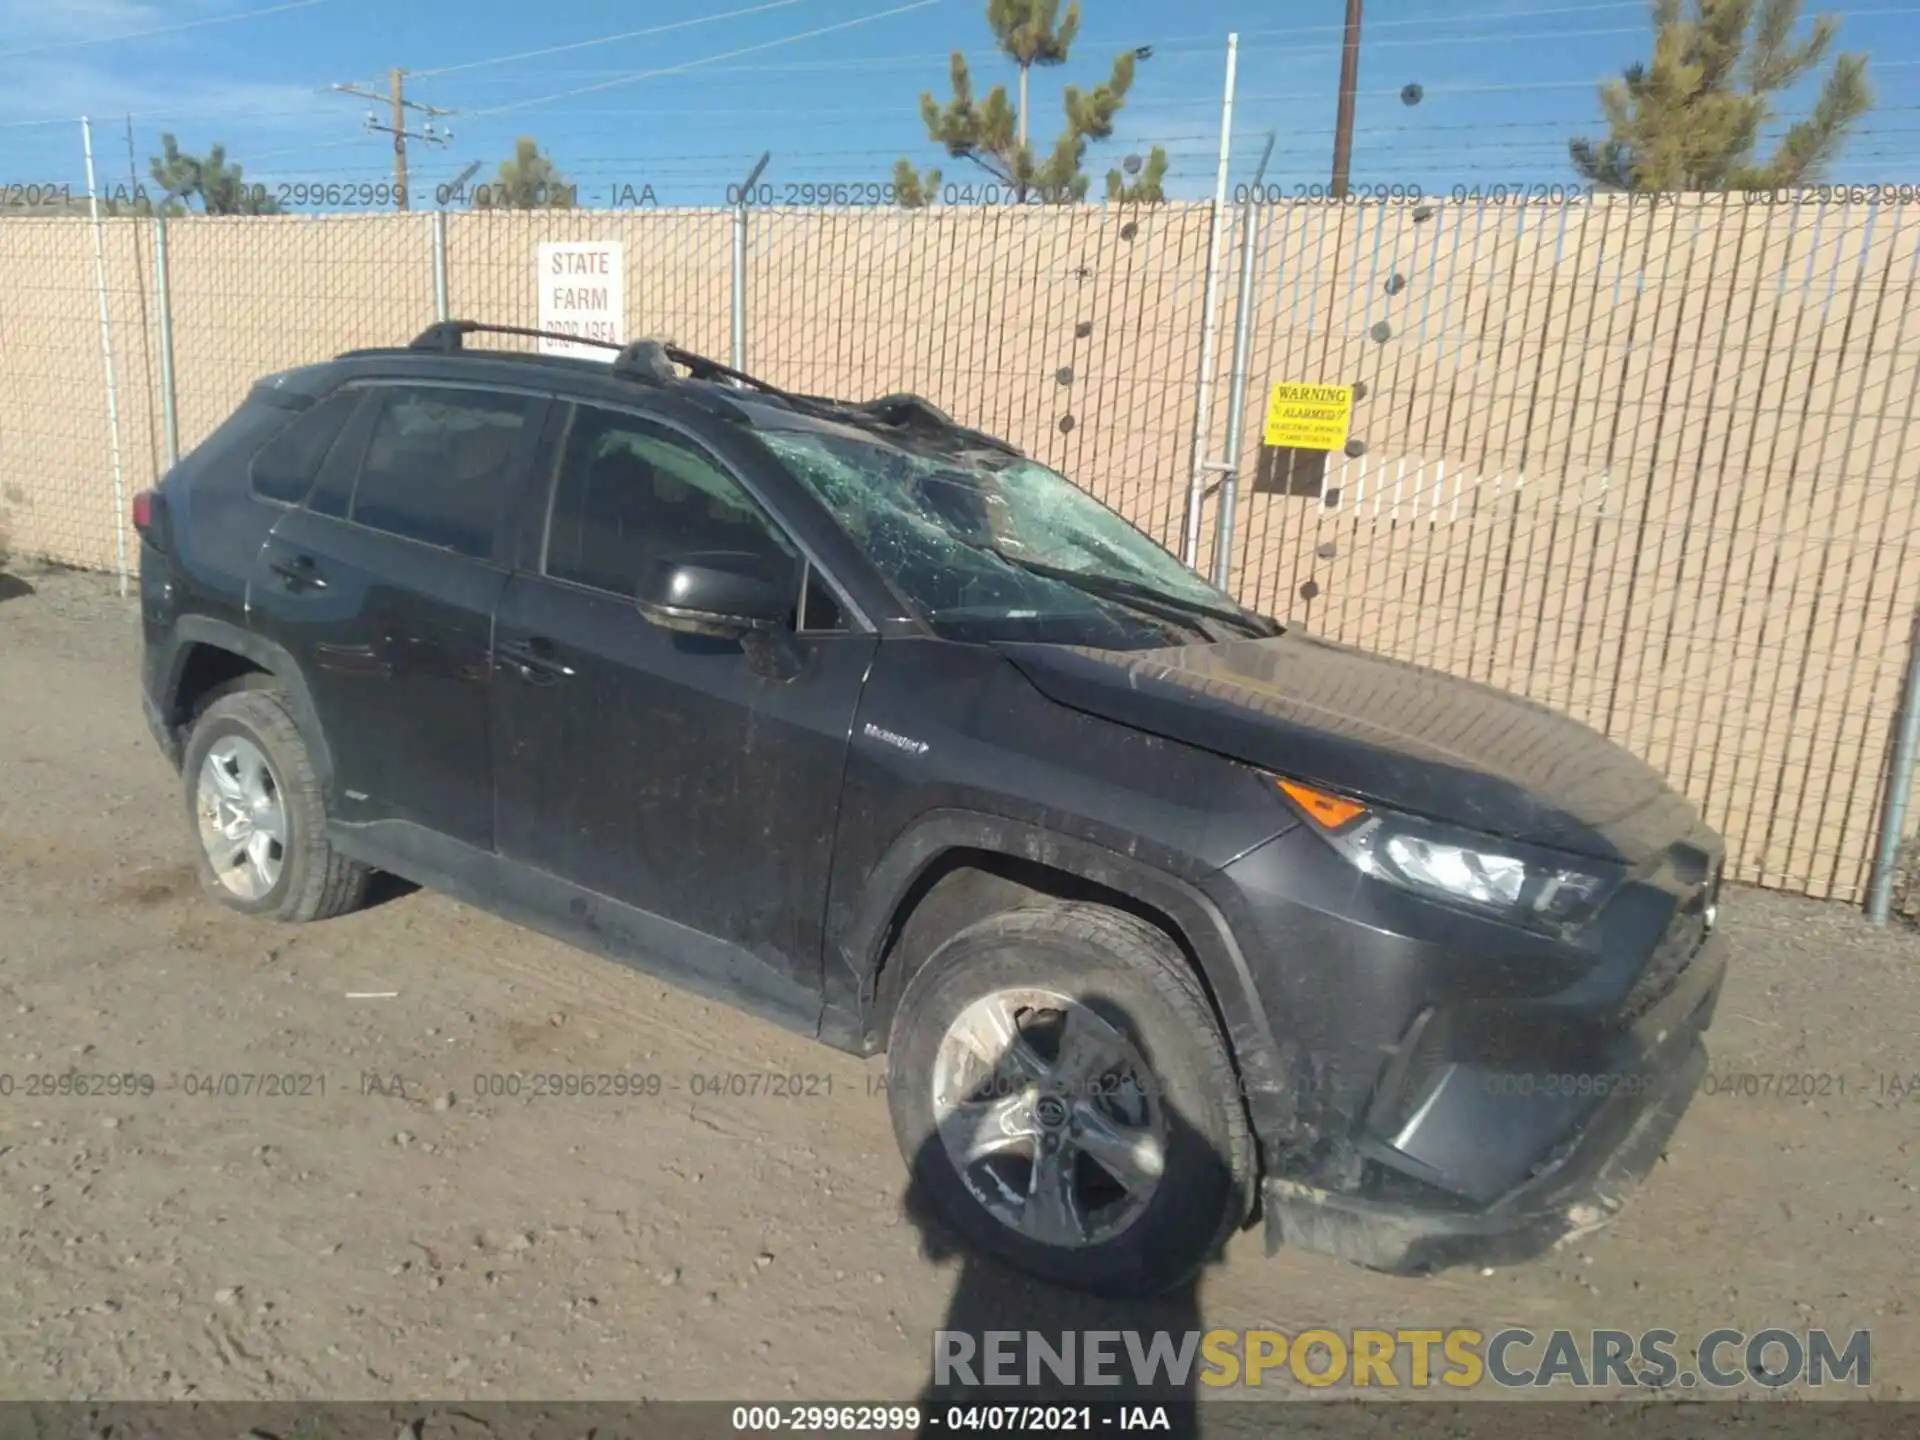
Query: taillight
(143,511)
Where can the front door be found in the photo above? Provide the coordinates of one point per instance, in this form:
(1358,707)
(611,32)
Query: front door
(673,775)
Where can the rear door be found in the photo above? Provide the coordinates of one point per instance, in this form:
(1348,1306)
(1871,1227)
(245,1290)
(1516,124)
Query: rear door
(383,586)
(676,776)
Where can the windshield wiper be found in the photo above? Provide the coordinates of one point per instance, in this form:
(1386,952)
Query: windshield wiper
(1114,587)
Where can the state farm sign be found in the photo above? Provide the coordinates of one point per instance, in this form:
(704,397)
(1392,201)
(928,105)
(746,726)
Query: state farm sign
(583,292)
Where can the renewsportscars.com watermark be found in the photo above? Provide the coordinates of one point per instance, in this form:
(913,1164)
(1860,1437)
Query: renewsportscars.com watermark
(1458,1359)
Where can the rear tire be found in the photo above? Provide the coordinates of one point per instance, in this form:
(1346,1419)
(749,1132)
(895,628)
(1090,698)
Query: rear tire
(1064,1160)
(259,817)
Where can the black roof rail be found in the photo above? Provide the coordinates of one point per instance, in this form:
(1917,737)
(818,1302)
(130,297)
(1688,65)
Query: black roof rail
(447,336)
(653,362)
(701,368)
(916,412)
(639,360)
(636,360)
(911,413)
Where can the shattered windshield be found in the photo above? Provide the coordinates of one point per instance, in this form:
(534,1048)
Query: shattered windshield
(966,539)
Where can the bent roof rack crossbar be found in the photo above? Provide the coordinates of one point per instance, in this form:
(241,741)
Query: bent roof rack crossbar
(652,361)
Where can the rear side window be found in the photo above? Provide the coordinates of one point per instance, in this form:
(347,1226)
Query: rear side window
(438,465)
(285,469)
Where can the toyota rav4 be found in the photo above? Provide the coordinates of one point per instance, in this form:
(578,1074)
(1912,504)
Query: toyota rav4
(1170,919)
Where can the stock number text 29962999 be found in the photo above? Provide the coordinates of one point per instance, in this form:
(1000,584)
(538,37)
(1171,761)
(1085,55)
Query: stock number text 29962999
(1274,193)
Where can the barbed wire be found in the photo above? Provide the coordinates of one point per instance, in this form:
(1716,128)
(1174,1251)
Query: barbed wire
(1214,44)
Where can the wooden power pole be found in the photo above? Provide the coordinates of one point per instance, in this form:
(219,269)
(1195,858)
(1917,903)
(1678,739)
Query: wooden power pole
(1343,120)
(399,128)
(397,106)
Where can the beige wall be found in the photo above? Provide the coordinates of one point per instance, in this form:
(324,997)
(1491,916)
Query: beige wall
(1654,465)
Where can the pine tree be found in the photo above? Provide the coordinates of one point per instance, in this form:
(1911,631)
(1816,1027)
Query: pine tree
(220,187)
(1690,120)
(528,181)
(1030,33)
(1144,191)
(992,133)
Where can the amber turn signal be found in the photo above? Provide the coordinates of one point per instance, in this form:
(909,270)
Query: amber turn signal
(1326,810)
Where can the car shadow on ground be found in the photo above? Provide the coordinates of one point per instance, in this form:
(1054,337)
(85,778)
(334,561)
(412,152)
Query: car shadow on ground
(383,888)
(12,587)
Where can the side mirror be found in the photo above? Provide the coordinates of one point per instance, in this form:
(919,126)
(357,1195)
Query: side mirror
(722,593)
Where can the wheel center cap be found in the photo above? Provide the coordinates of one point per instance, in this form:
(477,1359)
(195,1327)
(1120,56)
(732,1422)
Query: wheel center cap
(1050,1111)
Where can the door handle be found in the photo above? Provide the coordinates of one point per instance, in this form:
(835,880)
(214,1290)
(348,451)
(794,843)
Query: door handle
(534,658)
(299,573)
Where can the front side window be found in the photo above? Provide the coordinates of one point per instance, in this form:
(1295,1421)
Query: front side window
(969,540)
(438,465)
(631,496)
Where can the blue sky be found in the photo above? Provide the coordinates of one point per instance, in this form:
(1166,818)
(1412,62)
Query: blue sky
(1505,84)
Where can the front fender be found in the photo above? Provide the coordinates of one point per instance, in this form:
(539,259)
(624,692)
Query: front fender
(853,974)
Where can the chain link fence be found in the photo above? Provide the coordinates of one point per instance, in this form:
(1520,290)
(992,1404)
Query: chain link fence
(255,294)
(1655,465)
(72,445)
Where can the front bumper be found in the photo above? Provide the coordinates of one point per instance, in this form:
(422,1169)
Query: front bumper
(1581,1188)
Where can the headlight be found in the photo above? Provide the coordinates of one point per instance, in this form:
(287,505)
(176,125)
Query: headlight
(1524,884)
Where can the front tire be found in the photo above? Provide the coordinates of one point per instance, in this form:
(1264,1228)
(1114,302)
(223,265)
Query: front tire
(1065,1101)
(259,816)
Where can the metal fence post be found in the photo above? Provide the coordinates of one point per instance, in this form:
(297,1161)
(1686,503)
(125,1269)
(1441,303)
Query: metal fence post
(163,299)
(1210,322)
(738,357)
(440,265)
(1893,810)
(106,355)
(1237,389)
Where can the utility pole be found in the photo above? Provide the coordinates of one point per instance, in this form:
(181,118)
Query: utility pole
(397,107)
(1343,121)
(399,128)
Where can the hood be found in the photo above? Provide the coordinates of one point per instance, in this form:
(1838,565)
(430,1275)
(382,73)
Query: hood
(1408,737)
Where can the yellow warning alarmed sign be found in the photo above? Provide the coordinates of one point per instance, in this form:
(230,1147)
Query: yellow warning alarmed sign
(1309,417)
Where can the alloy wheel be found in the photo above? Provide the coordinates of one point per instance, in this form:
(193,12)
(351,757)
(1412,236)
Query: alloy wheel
(242,816)
(1051,1117)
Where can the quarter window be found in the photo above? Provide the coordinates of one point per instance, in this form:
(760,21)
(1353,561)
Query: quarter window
(285,469)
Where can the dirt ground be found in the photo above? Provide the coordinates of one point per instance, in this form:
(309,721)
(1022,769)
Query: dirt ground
(404,1235)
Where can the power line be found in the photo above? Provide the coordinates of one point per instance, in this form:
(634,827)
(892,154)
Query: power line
(1449,21)
(1277,99)
(1191,43)
(162,29)
(842,117)
(606,39)
(398,105)
(891,62)
(1512,88)
(708,60)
